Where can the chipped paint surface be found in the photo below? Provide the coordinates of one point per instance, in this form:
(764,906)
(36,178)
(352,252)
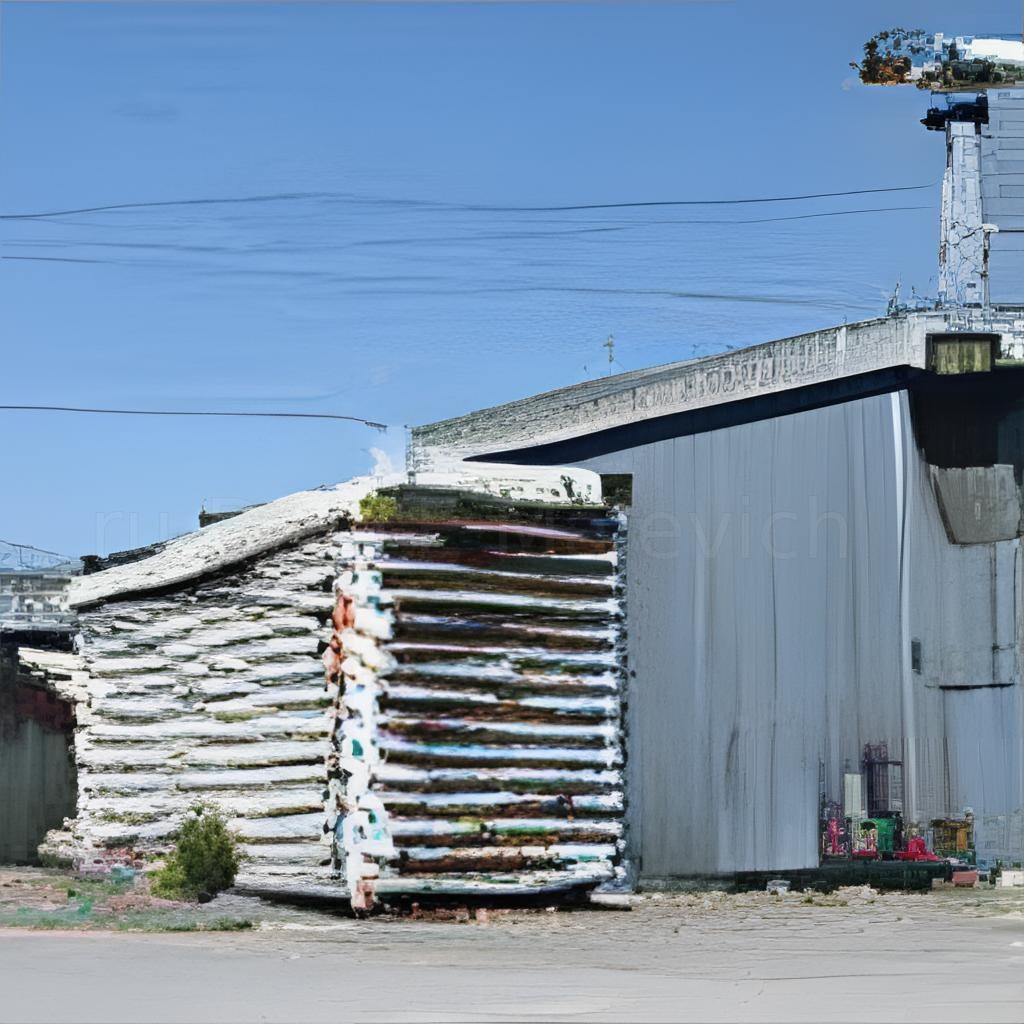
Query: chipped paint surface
(962,238)
(289,520)
(354,662)
(478,745)
(212,693)
(253,533)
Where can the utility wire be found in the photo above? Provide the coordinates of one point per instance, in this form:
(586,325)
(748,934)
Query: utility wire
(438,239)
(279,197)
(800,216)
(177,412)
(702,202)
(287,196)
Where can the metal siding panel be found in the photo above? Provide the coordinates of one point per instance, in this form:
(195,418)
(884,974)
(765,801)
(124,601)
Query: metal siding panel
(759,674)
(963,613)
(818,665)
(796,710)
(37,788)
(1007,242)
(996,209)
(1006,277)
(984,740)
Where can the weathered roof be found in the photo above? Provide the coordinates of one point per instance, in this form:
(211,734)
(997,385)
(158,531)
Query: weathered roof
(225,543)
(609,402)
(517,430)
(296,516)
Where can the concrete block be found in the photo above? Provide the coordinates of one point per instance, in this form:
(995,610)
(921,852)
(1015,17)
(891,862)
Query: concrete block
(1009,879)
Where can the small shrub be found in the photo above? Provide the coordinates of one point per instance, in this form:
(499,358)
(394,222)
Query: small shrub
(377,508)
(205,858)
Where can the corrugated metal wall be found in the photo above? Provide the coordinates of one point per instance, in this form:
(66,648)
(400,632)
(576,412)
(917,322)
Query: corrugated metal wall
(1002,190)
(37,788)
(965,613)
(777,574)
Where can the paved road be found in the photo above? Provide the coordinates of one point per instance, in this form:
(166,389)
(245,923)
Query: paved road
(901,958)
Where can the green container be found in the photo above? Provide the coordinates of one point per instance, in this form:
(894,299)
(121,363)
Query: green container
(886,834)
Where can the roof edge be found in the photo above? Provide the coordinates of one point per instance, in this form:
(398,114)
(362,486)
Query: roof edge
(288,520)
(629,398)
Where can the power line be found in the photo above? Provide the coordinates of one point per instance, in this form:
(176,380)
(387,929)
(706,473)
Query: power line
(272,198)
(702,202)
(802,216)
(182,412)
(507,236)
(304,196)
(54,259)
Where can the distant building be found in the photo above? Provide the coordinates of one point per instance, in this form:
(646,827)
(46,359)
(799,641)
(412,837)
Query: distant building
(32,591)
(34,601)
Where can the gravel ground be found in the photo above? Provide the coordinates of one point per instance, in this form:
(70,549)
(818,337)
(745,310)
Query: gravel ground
(856,955)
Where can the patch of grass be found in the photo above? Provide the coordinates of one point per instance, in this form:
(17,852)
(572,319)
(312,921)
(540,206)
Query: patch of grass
(86,888)
(42,921)
(67,902)
(86,917)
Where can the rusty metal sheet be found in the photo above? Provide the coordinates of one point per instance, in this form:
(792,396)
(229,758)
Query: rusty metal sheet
(477,742)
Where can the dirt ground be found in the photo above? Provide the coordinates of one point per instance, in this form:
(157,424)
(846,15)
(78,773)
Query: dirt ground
(855,955)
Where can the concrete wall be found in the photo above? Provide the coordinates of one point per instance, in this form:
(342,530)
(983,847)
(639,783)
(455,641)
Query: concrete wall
(777,573)
(961,238)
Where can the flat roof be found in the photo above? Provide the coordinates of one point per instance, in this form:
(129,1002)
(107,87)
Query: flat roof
(848,353)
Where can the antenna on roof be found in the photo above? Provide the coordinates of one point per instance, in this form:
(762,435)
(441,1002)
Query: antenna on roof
(894,299)
(610,345)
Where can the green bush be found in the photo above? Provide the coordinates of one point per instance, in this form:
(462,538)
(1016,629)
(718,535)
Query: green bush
(205,858)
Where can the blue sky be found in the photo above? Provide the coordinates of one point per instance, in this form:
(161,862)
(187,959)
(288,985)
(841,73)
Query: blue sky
(403,285)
